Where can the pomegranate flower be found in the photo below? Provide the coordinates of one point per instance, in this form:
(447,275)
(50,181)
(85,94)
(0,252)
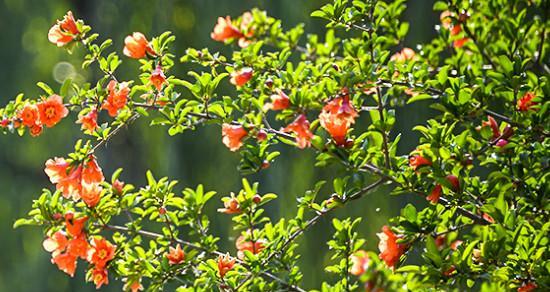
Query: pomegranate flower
(417,161)
(279,101)
(117,98)
(100,277)
(52,110)
(243,245)
(336,117)
(65,31)
(526,103)
(136,46)
(527,287)
(225,30)
(390,250)
(231,206)
(492,123)
(232,136)
(225,264)
(29,115)
(300,127)
(176,255)
(101,253)
(241,77)
(157,78)
(88,121)
(404,55)
(434,195)
(360,262)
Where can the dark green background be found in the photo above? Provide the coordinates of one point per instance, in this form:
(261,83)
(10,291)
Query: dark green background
(192,158)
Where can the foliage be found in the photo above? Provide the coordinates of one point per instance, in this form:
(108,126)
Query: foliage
(482,160)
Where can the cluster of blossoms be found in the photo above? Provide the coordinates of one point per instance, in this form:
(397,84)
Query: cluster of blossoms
(339,82)
(70,245)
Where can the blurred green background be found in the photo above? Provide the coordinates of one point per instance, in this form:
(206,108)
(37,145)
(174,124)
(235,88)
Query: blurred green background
(196,157)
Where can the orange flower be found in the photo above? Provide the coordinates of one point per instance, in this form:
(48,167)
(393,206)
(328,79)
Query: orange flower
(231,206)
(435,194)
(279,101)
(66,177)
(118,186)
(405,54)
(92,173)
(157,78)
(100,277)
(390,250)
(300,127)
(241,77)
(91,194)
(176,255)
(456,29)
(52,110)
(88,121)
(116,99)
(232,136)
(133,285)
(225,264)
(136,46)
(64,31)
(4,123)
(449,271)
(360,262)
(460,42)
(488,218)
(225,30)
(36,130)
(527,287)
(417,161)
(29,115)
(75,226)
(526,102)
(101,253)
(56,243)
(253,247)
(246,21)
(336,117)
(78,247)
(491,122)
(455,244)
(56,169)
(65,262)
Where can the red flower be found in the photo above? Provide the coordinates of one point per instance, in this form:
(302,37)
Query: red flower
(116,99)
(501,143)
(101,253)
(78,247)
(460,42)
(360,262)
(65,262)
(225,264)
(279,101)
(336,117)
(491,122)
(88,121)
(56,243)
(176,255)
(449,271)
(445,18)
(92,173)
(157,78)
(136,46)
(390,250)
(404,55)
(225,30)
(232,136)
(434,195)
(488,218)
(118,186)
(417,161)
(455,183)
(133,285)
(36,130)
(254,247)
(29,115)
(91,194)
(75,226)
(4,123)
(300,127)
(231,206)
(100,277)
(64,31)
(241,77)
(52,110)
(526,102)
(527,287)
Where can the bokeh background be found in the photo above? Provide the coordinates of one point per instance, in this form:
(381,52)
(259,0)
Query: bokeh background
(27,57)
